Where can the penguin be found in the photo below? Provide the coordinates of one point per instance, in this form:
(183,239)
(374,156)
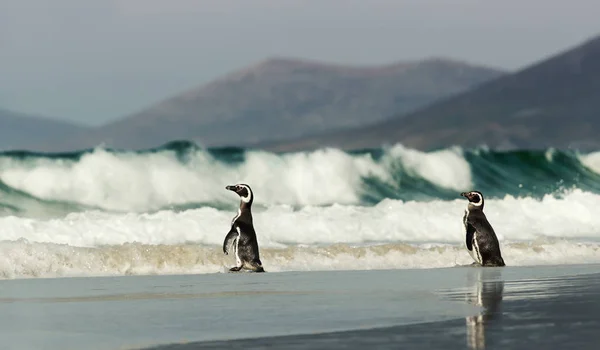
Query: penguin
(481,239)
(242,237)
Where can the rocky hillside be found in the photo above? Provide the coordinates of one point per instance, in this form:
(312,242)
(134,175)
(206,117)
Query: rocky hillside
(553,103)
(281,99)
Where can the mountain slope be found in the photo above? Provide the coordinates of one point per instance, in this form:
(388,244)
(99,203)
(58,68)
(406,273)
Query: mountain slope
(287,98)
(26,132)
(554,103)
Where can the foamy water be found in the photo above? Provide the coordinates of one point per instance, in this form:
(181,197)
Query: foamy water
(389,221)
(26,260)
(591,160)
(392,234)
(142,182)
(446,168)
(167,210)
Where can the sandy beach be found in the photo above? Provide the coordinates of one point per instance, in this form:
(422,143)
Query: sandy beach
(459,307)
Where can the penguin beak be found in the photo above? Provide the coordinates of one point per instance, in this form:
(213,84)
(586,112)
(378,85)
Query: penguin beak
(230,187)
(463,194)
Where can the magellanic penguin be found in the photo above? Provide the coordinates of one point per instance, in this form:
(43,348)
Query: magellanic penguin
(481,239)
(242,237)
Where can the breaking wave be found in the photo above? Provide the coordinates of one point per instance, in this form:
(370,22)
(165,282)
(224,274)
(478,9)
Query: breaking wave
(166,210)
(182,176)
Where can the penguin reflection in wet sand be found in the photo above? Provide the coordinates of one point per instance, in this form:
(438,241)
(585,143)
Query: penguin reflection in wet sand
(242,237)
(481,239)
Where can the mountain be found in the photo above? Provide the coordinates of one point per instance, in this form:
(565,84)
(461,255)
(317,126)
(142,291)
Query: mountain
(553,103)
(26,132)
(284,98)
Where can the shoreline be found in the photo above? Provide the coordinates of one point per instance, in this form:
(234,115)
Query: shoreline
(494,326)
(139,312)
(224,270)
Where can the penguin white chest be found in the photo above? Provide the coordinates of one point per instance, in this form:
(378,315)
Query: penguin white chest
(236,247)
(475,252)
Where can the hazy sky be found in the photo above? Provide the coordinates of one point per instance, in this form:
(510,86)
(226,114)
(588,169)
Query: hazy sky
(97,60)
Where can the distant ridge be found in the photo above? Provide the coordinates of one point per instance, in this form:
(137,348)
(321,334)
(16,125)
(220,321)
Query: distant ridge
(283,98)
(25,132)
(552,103)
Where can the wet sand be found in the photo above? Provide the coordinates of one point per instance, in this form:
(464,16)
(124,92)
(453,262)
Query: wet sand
(453,308)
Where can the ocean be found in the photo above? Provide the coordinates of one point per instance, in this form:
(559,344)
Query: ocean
(105,212)
(115,249)
(525,307)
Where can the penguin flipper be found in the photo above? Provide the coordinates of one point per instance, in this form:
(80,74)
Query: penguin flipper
(469,236)
(231,235)
(480,223)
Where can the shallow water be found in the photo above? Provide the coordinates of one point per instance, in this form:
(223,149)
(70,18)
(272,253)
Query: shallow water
(390,235)
(563,316)
(142,311)
(166,211)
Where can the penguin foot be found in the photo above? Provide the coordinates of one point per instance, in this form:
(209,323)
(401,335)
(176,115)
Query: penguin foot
(235,269)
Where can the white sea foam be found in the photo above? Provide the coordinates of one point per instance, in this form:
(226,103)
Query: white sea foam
(446,168)
(405,234)
(437,221)
(142,182)
(22,259)
(591,161)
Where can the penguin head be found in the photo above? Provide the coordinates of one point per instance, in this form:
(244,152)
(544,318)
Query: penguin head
(243,191)
(475,198)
